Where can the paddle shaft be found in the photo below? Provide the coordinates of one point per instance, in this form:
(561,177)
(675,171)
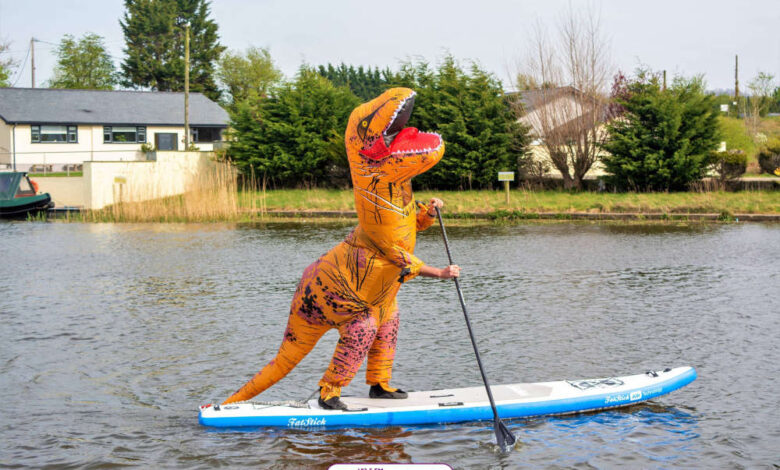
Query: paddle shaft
(496,418)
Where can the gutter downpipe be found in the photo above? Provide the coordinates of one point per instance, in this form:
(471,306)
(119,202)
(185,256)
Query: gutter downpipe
(14,144)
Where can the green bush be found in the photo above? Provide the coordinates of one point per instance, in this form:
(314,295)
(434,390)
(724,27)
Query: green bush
(467,107)
(295,138)
(769,157)
(729,166)
(663,140)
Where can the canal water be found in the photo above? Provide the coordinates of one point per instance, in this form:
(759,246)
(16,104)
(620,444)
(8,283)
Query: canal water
(112,335)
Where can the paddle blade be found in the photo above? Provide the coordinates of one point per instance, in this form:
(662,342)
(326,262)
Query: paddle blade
(504,437)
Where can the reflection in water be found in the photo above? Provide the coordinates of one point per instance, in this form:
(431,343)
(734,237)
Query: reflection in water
(119,332)
(355,445)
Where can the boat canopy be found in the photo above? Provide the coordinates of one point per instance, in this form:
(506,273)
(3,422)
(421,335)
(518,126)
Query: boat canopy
(11,182)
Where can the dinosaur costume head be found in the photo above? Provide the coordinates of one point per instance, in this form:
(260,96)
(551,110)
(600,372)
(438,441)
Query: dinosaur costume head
(380,148)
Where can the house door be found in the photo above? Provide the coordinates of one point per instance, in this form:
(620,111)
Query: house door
(166,141)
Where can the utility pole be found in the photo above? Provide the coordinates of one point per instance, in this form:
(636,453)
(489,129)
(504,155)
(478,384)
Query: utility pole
(736,83)
(664,80)
(32,60)
(187,87)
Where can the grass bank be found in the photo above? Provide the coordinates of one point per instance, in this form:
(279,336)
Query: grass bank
(735,133)
(58,174)
(483,202)
(216,198)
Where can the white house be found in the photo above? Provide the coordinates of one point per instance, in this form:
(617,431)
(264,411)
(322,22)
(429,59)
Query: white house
(53,129)
(561,110)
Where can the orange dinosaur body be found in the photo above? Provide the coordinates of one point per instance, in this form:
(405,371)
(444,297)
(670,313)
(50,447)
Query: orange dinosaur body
(353,286)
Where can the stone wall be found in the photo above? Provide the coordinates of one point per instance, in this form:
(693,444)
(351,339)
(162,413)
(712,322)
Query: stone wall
(106,183)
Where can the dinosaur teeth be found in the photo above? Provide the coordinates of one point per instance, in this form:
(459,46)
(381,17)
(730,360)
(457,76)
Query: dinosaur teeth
(416,151)
(398,109)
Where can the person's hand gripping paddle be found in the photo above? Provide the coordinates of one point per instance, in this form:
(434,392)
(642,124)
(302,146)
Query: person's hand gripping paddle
(504,438)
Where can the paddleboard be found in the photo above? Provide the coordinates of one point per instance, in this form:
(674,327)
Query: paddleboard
(458,404)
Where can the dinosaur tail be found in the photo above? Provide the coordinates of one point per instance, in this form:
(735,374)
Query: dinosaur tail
(299,339)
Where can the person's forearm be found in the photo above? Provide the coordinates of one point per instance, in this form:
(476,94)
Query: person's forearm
(449,272)
(430,271)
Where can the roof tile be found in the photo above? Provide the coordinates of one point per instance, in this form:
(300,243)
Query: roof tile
(50,105)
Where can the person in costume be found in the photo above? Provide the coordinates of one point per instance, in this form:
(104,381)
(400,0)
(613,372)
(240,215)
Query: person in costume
(353,287)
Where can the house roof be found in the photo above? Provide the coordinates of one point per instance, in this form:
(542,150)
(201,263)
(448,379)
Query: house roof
(61,106)
(532,98)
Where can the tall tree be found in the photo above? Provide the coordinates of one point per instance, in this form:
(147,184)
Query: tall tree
(6,65)
(247,77)
(663,139)
(83,63)
(154,36)
(365,83)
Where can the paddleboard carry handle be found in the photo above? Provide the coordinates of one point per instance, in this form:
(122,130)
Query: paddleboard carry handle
(504,438)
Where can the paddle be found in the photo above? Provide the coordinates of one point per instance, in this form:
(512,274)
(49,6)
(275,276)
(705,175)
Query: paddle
(504,438)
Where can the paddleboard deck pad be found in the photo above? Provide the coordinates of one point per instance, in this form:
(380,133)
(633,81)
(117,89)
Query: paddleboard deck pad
(458,404)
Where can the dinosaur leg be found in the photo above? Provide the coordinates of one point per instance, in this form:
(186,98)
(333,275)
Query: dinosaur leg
(355,339)
(299,339)
(380,359)
(382,352)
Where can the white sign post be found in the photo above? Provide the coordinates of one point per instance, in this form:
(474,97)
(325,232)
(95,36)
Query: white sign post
(506,177)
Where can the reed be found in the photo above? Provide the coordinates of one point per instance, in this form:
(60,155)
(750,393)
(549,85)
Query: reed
(218,195)
(210,196)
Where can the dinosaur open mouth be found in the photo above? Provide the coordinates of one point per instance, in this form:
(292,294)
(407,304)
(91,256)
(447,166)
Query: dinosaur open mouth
(402,114)
(400,140)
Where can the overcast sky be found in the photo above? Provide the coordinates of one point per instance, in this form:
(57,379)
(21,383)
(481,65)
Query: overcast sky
(682,36)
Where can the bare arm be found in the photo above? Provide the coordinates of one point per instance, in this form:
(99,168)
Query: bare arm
(449,272)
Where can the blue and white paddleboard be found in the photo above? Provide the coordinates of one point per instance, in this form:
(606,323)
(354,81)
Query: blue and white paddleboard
(458,404)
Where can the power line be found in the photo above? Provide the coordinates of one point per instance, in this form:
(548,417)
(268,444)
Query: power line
(46,42)
(21,69)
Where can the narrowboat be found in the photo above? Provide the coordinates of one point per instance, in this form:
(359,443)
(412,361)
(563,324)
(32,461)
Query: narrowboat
(19,196)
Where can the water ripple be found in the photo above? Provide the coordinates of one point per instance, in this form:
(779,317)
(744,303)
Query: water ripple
(139,324)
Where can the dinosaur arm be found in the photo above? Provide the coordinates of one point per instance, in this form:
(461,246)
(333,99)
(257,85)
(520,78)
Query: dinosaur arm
(394,253)
(424,220)
(410,265)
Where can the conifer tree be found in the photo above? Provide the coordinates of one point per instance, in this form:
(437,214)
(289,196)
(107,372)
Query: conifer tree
(366,83)
(296,136)
(662,141)
(154,36)
(480,131)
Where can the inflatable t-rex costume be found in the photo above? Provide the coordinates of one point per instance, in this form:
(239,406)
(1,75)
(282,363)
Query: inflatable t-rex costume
(353,286)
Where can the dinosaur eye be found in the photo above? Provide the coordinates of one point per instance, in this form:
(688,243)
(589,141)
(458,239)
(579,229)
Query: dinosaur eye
(363,127)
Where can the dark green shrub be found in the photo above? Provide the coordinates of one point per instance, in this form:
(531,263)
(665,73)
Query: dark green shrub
(769,157)
(295,137)
(466,105)
(662,141)
(729,166)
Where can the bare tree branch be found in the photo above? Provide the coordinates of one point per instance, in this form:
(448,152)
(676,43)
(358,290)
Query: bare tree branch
(567,112)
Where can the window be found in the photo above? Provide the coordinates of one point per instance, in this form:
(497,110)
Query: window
(206,134)
(25,188)
(124,134)
(54,134)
